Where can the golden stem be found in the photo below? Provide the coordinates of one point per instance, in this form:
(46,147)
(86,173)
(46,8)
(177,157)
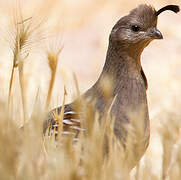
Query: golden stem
(60,117)
(10,85)
(21,81)
(52,80)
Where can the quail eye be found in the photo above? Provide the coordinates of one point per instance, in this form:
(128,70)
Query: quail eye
(135,28)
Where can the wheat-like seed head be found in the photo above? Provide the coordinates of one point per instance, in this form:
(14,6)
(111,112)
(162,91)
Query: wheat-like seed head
(23,37)
(53,51)
(52,57)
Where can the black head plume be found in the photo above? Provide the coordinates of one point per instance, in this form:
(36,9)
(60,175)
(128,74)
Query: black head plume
(173,8)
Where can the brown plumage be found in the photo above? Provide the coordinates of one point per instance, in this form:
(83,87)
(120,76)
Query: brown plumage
(128,38)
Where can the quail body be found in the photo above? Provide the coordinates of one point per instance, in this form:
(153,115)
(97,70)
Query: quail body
(127,100)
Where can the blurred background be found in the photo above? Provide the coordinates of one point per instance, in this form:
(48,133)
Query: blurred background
(82,27)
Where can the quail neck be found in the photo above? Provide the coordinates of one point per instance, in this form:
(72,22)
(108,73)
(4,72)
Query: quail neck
(119,59)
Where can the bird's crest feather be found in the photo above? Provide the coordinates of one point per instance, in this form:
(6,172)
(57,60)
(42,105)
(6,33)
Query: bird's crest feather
(173,8)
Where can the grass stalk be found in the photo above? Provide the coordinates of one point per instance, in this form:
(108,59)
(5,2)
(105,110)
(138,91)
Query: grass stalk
(25,34)
(23,90)
(61,116)
(52,56)
(52,80)
(10,85)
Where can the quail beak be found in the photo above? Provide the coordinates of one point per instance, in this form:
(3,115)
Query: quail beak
(156,34)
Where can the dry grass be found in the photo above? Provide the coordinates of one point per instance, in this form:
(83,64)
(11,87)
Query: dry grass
(52,56)
(26,154)
(23,36)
